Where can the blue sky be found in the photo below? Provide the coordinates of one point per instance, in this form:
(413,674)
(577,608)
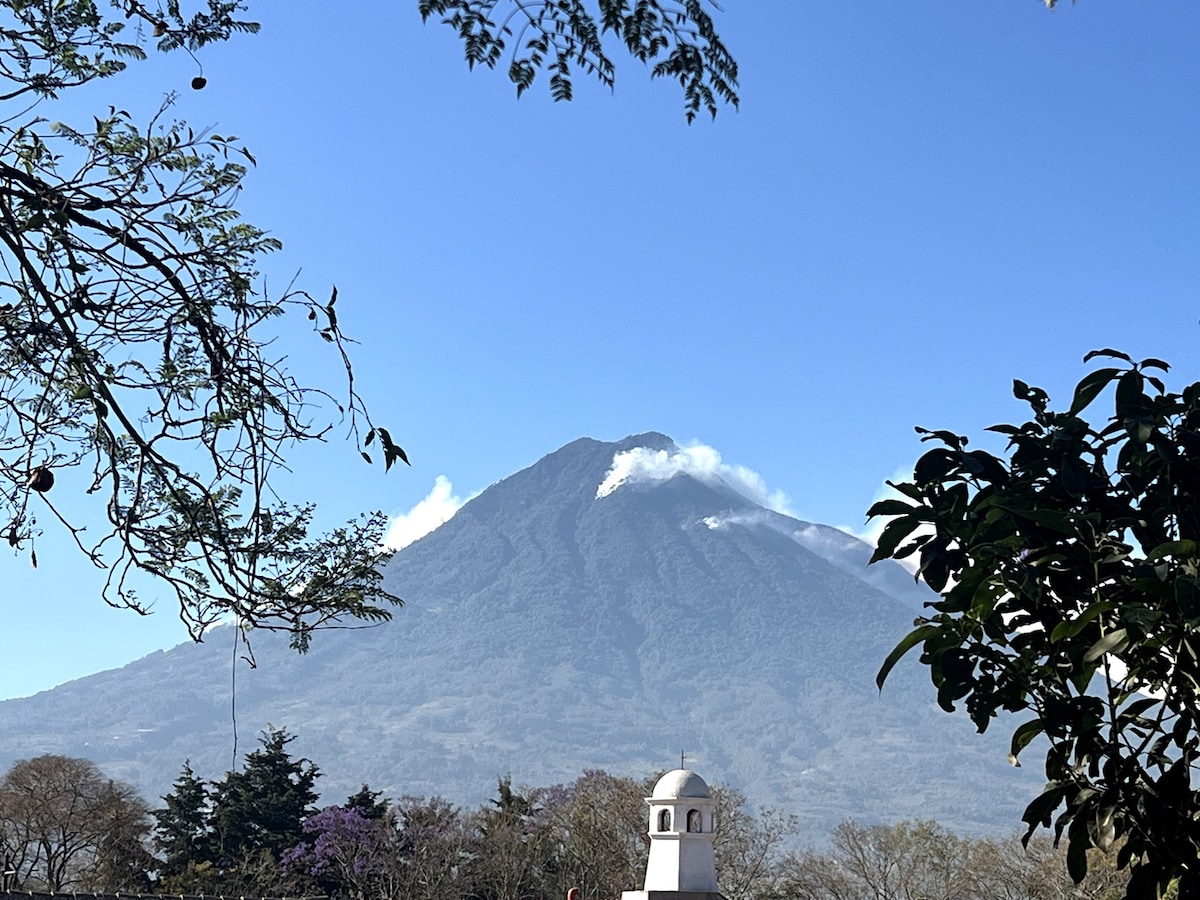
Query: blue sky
(916,203)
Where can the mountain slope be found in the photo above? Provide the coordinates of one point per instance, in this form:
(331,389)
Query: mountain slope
(547,630)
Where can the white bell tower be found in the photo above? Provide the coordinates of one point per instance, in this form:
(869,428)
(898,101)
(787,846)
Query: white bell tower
(681,864)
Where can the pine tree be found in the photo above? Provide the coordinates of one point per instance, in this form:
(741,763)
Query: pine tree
(260,810)
(183,835)
(367,802)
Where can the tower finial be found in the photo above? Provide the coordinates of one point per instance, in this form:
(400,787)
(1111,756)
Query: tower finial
(681,759)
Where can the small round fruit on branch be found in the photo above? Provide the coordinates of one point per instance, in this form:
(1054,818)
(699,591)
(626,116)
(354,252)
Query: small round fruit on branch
(40,479)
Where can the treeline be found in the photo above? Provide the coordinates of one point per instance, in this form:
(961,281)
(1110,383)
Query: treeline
(258,831)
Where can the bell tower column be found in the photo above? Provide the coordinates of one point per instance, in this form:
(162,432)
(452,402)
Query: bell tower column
(681,841)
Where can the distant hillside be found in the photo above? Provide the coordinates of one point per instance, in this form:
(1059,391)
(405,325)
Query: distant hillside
(548,630)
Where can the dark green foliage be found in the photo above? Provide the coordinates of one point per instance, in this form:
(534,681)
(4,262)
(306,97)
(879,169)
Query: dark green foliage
(182,835)
(229,836)
(263,807)
(512,851)
(1068,577)
(677,37)
(511,806)
(367,803)
(232,835)
(123,861)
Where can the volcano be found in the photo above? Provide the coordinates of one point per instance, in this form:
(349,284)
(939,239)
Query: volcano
(603,608)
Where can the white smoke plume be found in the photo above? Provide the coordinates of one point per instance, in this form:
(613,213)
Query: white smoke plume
(438,507)
(644,465)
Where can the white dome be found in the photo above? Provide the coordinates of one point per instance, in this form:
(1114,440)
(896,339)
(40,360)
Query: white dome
(680,783)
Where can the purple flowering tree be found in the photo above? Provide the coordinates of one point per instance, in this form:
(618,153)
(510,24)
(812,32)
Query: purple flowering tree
(344,852)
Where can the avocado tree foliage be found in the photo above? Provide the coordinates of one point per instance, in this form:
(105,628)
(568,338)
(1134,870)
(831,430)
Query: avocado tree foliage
(1068,573)
(143,408)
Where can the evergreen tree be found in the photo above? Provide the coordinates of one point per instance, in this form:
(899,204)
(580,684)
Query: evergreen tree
(367,803)
(511,855)
(182,833)
(122,861)
(258,813)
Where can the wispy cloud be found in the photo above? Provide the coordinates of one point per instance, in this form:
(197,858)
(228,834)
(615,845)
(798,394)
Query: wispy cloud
(835,545)
(644,465)
(436,509)
(870,530)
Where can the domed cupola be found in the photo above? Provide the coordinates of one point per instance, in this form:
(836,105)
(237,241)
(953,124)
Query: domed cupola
(681,839)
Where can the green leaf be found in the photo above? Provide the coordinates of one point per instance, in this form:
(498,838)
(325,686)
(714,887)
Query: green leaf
(1135,709)
(329,309)
(934,465)
(1129,393)
(1088,389)
(1021,738)
(391,451)
(1039,810)
(1188,549)
(1034,396)
(1052,519)
(1113,642)
(909,641)
(1112,354)
(907,489)
(1071,627)
(893,533)
(985,467)
(1010,430)
(1077,847)
(889,508)
(936,563)
(1140,428)
(949,438)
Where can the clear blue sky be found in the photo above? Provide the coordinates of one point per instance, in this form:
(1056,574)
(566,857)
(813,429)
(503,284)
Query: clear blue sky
(917,202)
